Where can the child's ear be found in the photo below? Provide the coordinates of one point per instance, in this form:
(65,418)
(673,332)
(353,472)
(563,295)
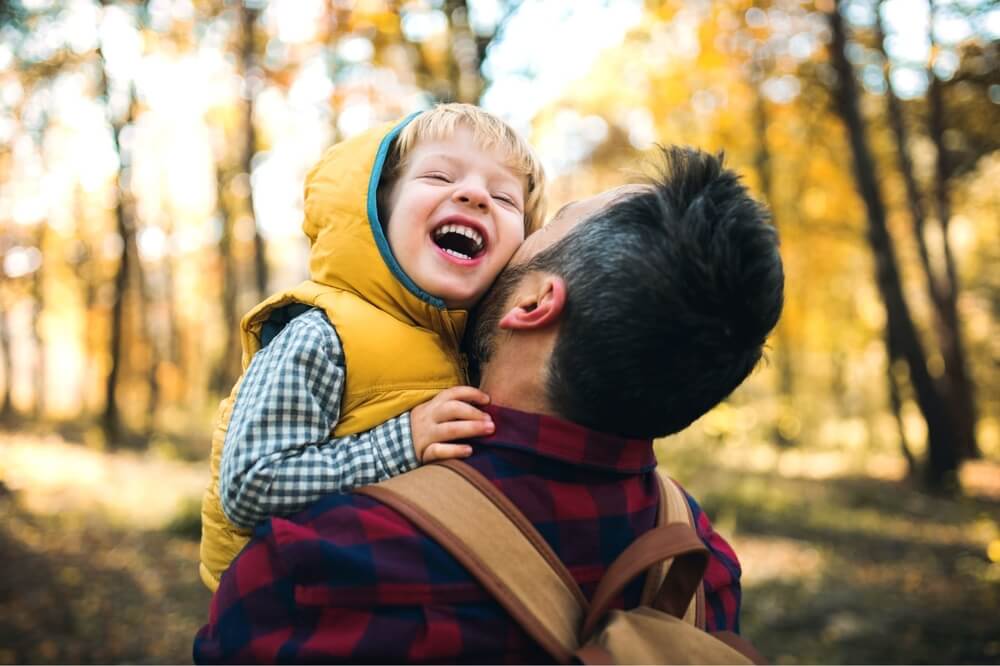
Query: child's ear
(540,305)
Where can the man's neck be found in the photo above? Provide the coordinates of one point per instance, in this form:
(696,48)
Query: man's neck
(516,386)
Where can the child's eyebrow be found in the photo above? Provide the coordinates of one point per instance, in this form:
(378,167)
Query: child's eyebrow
(445,157)
(442,156)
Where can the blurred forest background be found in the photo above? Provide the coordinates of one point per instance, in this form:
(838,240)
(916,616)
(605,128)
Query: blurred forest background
(151,165)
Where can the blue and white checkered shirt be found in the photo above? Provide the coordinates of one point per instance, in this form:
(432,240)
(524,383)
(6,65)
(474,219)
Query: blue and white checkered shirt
(279,456)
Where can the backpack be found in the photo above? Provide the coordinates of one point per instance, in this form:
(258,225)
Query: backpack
(468,516)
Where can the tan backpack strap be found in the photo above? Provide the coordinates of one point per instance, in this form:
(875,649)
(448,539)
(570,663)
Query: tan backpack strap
(741,645)
(491,538)
(675,541)
(594,653)
(674,508)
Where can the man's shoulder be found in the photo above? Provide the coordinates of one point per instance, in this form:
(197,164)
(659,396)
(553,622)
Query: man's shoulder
(354,540)
(341,520)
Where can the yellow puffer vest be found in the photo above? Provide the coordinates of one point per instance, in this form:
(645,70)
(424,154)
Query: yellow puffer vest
(400,344)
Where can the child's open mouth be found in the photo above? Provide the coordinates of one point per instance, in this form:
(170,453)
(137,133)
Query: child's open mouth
(459,240)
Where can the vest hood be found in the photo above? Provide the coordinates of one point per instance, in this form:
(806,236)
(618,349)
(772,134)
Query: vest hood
(349,249)
(374,306)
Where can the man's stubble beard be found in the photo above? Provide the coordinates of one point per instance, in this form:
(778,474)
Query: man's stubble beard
(486,320)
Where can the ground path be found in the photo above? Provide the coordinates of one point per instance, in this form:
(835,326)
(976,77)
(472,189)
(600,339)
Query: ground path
(98,556)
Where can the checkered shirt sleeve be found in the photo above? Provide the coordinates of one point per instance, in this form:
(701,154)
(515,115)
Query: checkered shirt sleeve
(278,456)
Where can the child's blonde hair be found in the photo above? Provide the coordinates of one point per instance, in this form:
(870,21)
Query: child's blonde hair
(490,133)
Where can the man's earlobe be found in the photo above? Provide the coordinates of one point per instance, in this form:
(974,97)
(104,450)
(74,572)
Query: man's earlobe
(538,308)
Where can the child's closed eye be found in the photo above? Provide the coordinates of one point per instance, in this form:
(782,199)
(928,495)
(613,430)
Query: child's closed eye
(438,175)
(507,199)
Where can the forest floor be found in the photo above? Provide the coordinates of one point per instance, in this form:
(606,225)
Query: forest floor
(98,557)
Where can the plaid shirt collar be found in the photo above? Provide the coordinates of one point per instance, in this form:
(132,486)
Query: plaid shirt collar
(567,442)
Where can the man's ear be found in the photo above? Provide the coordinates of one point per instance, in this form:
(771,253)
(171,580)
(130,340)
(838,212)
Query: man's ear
(540,305)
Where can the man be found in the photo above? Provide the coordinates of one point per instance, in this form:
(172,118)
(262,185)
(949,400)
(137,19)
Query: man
(626,318)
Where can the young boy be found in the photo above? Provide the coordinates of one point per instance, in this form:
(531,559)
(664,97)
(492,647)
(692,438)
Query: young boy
(355,375)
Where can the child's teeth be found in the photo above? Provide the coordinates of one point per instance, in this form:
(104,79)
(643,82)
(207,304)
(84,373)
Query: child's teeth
(468,232)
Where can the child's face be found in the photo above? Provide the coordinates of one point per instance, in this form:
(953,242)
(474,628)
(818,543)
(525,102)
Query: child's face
(456,217)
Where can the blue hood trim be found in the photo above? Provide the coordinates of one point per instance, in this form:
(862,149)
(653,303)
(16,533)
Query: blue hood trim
(376,225)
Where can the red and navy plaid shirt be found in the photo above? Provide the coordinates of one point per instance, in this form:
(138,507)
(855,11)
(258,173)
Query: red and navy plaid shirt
(349,579)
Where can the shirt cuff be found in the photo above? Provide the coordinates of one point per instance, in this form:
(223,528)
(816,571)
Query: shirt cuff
(396,451)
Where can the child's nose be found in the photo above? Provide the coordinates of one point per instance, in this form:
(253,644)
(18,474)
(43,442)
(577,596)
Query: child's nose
(472,195)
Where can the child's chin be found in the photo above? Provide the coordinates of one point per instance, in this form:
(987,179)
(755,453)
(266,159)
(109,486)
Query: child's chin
(461,302)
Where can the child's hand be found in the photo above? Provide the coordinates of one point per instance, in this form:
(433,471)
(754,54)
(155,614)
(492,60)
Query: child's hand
(450,415)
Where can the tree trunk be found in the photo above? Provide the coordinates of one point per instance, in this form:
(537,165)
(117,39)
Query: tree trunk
(128,265)
(896,406)
(7,414)
(763,165)
(961,389)
(228,368)
(462,80)
(955,385)
(914,198)
(942,463)
(171,353)
(482,42)
(147,305)
(37,308)
(465,59)
(248,17)
(83,263)
(111,419)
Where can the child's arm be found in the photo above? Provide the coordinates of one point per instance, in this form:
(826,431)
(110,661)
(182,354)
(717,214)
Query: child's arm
(278,456)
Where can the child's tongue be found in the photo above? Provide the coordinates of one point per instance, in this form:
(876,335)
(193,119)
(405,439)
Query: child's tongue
(458,244)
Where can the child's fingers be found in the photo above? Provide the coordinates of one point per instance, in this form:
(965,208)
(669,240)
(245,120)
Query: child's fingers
(452,431)
(443,451)
(456,410)
(468,394)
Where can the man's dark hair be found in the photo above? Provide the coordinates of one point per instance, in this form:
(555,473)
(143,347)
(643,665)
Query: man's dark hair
(672,291)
